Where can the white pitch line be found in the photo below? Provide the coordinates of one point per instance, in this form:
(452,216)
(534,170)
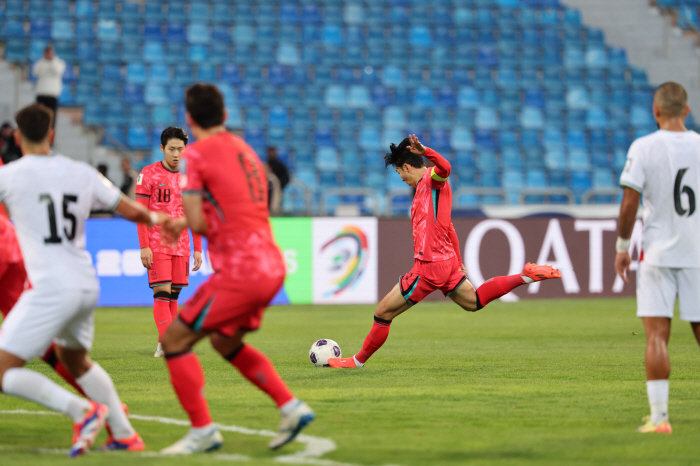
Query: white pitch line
(315,446)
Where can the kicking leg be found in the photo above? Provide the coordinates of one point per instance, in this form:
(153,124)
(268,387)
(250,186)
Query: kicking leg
(187,378)
(258,369)
(390,307)
(474,300)
(658,368)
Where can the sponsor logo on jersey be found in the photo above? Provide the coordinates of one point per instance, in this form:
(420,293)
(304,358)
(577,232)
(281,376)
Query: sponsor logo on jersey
(139,180)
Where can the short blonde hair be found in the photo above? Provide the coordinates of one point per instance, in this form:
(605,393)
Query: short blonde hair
(671,99)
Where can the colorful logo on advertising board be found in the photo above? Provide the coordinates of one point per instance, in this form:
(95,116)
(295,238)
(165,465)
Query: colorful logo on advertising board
(350,260)
(345,260)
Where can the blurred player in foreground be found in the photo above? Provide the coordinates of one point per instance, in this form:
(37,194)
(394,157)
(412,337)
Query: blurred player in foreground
(13,281)
(49,197)
(225,199)
(437,261)
(663,167)
(158,188)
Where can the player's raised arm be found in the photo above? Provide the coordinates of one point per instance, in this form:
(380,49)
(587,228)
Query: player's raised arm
(442,166)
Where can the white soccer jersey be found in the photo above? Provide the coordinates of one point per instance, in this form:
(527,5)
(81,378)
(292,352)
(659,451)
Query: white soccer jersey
(49,197)
(665,168)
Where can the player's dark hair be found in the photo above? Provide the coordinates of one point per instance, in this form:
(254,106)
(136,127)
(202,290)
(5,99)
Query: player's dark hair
(34,122)
(173,132)
(401,155)
(205,104)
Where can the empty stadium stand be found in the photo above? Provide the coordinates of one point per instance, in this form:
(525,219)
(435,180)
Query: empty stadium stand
(528,103)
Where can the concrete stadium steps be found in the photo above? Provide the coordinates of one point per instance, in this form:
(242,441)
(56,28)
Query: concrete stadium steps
(641,30)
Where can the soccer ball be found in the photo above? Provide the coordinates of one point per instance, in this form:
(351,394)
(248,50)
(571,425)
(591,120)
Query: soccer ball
(322,350)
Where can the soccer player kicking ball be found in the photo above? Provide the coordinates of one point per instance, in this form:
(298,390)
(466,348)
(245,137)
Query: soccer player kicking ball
(158,188)
(664,168)
(437,261)
(225,199)
(49,198)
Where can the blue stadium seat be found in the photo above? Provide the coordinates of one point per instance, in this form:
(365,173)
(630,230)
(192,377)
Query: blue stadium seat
(132,93)
(139,115)
(115,112)
(197,33)
(578,159)
(107,9)
(155,94)
(420,35)
(84,30)
(93,114)
(640,116)
(198,53)
(468,97)
(131,10)
(107,29)
(596,118)
(60,29)
(487,118)
(423,97)
(531,117)
(461,139)
(199,11)
(136,73)
(369,138)
(138,138)
(84,9)
(555,159)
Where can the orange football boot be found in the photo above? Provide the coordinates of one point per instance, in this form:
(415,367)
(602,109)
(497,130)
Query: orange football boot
(342,362)
(540,272)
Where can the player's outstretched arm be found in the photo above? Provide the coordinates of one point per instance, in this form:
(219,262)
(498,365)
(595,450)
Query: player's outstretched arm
(135,212)
(625,225)
(192,203)
(442,166)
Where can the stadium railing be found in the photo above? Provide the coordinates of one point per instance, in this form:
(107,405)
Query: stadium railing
(370,193)
(546,194)
(589,196)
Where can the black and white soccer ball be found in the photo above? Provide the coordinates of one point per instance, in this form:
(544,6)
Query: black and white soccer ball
(322,350)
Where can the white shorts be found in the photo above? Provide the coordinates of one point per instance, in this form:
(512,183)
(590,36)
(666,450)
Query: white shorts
(657,288)
(41,317)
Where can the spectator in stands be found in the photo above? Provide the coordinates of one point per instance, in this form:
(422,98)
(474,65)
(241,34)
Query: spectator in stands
(278,178)
(129,181)
(102,168)
(49,72)
(8,146)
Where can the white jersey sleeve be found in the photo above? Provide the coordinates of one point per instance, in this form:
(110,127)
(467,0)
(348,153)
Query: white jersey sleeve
(105,196)
(633,175)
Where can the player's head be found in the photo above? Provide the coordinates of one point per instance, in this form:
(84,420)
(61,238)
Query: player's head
(670,102)
(205,107)
(34,133)
(172,142)
(406,163)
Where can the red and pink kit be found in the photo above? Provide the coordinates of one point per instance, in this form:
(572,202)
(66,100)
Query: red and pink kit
(158,188)
(12,273)
(248,265)
(437,260)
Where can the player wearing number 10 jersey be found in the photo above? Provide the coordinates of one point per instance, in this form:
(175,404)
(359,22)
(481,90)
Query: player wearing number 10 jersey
(158,188)
(225,199)
(663,168)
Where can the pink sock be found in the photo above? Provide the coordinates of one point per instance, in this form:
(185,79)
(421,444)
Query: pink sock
(187,378)
(375,339)
(173,309)
(257,368)
(495,288)
(161,312)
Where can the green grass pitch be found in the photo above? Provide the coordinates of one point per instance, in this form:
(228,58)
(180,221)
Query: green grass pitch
(532,383)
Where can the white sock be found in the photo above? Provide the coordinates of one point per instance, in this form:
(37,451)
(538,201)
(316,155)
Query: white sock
(527,279)
(289,406)
(357,363)
(203,431)
(98,385)
(657,391)
(38,388)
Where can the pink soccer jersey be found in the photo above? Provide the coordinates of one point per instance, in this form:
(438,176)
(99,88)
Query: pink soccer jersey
(10,252)
(158,188)
(229,176)
(431,212)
